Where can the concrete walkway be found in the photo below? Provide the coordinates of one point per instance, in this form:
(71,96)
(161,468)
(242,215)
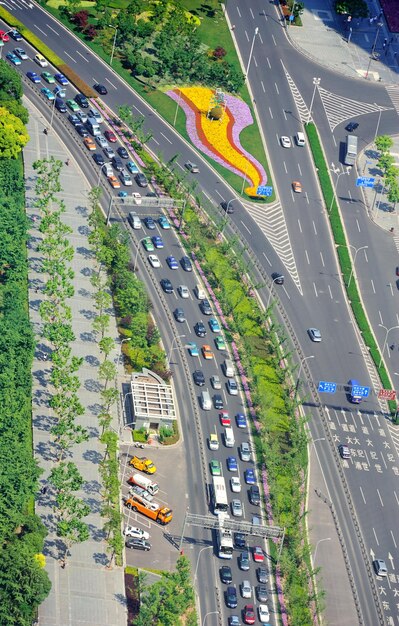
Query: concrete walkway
(85,593)
(346,46)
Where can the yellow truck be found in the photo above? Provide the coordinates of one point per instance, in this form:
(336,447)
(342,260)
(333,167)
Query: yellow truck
(159,513)
(143,464)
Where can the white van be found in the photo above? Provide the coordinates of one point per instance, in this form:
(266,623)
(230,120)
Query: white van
(107,169)
(199,291)
(300,139)
(134,220)
(228,368)
(206,402)
(229,437)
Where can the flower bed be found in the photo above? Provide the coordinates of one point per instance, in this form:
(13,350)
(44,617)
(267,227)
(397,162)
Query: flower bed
(220,139)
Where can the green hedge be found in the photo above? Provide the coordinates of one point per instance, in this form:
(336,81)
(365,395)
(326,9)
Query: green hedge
(344,257)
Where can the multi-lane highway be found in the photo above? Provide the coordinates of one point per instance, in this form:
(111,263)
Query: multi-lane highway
(313,295)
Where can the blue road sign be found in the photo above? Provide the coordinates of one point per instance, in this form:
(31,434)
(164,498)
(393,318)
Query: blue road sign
(292,17)
(365,181)
(326,387)
(264,190)
(359,390)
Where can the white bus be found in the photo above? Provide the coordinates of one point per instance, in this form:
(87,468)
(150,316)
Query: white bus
(220,503)
(224,540)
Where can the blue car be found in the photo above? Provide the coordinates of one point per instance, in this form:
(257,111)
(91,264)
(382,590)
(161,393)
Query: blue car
(171,261)
(157,241)
(163,222)
(232,464)
(13,58)
(15,35)
(60,78)
(249,477)
(149,222)
(33,77)
(193,348)
(47,93)
(214,325)
(132,167)
(241,420)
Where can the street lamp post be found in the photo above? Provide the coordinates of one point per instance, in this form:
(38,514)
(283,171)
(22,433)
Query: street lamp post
(317,545)
(172,348)
(251,51)
(209,613)
(387,331)
(225,214)
(354,260)
(378,122)
(113,43)
(52,112)
(270,292)
(120,352)
(379,25)
(198,559)
(335,170)
(305,358)
(137,253)
(316,83)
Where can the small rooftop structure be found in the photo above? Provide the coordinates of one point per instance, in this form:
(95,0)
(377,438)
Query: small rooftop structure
(152,400)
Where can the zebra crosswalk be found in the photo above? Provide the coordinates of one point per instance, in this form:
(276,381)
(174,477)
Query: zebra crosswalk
(299,101)
(339,109)
(271,221)
(393,93)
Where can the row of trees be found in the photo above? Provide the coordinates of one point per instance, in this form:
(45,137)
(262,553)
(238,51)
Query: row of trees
(24,582)
(164,45)
(390,172)
(13,115)
(57,254)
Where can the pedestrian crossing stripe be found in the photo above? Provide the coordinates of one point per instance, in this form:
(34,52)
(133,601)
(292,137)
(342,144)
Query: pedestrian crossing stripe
(339,109)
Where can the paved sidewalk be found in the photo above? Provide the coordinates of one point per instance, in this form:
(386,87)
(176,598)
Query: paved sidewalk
(85,593)
(346,47)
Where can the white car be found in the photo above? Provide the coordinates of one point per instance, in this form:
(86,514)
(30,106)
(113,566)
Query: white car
(154,261)
(264,614)
(136,197)
(215,382)
(285,142)
(232,387)
(236,508)
(192,167)
(40,60)
(235,484)
(82,116)
(102,142)
(183,291)
(314,334)
(246,589)
(125,178)
(137,533)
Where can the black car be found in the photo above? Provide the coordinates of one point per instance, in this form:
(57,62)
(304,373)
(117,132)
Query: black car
(82,101)
(225,575)
(227,207)
(239,540)
(205,307)
(218,401)
(179,315)
(149,222)
(351,127)
(99,159)
(166,285)
(117,163)
(14,34)
(254,495)
(75,121)
(261,593)
(231,597)
(141,180)
(138,544)
(60,105)
(123,152)
(278,278)
(83,132)
(100,89)
(186,264)
(200,329)
(261,575)
(151,194)
(199,378)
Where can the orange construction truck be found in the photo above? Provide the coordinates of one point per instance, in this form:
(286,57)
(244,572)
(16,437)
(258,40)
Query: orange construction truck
(159,513)
(143,464)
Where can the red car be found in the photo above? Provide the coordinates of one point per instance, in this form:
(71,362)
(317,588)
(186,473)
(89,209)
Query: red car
(224,418)
(110,136)
(258,555)
(4,36)
(249,614)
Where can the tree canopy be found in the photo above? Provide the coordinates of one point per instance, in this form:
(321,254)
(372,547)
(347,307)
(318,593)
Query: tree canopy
(13,134)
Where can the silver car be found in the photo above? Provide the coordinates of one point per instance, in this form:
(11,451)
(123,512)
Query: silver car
(183,291)
(102,142)
(215,382)
(245,451)
(236,508)
(232,387)
(314,334)
(246,589)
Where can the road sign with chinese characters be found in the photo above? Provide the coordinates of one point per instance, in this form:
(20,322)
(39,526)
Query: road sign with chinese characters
(387,394)
(264,190)
(359,390)
(365,181)
(325,387)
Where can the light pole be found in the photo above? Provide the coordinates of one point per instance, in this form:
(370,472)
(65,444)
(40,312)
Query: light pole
(177,108)
(317,545)
(52,112)
(172,348)
(251,51)
(225,214)
(120,352)
(379,25)
(305,358)
(354,260)
(113,44)
(316,83)
(387,331)
(209,613)
(198,559)
(335,170)
(137,253)
(270,292)
(378,122)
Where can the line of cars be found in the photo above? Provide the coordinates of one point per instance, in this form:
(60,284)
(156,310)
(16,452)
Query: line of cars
(189,304)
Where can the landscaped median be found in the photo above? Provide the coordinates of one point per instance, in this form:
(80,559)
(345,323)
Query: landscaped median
(344,258)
